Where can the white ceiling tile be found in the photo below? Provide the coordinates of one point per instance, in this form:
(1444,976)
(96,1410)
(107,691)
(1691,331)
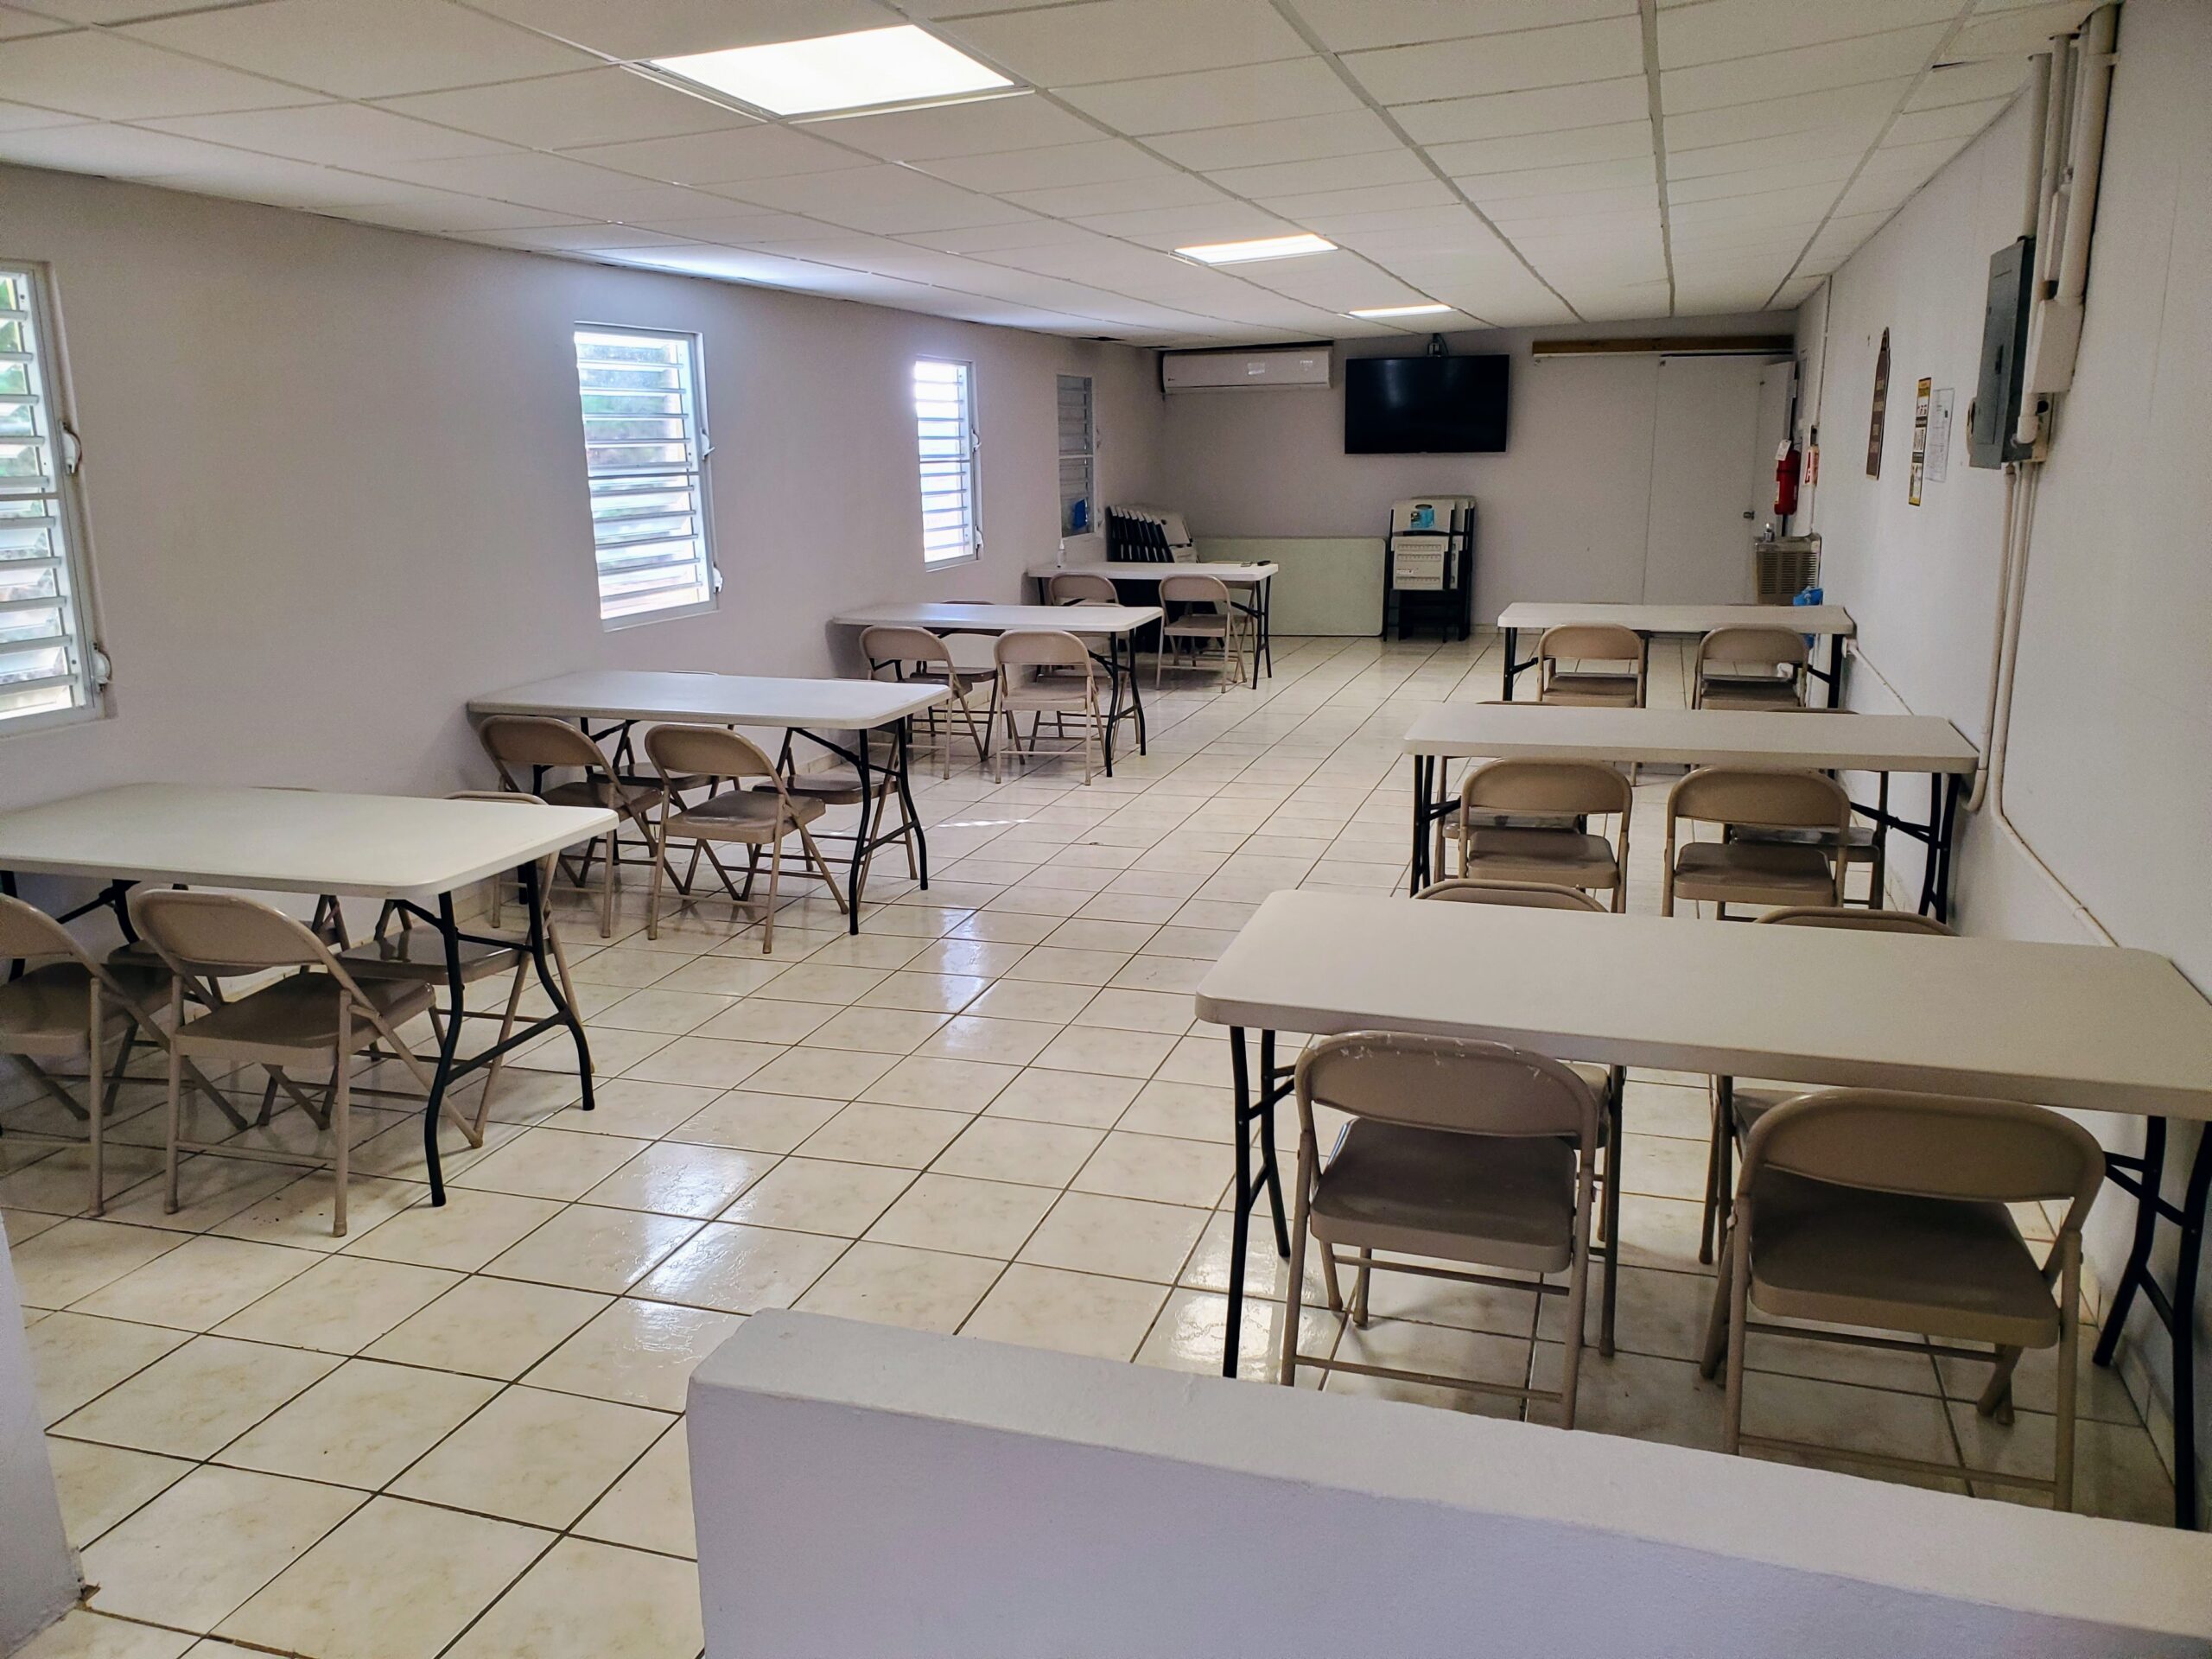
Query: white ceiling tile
(577,238)
(883,199)
(1123,196)
(1378,167)
(341,134)
(1337,282)
(1566,54)
(1847,140)
(1120,39)
(664,29)
(22,117)
(1805,69)
(992,238)
(1543,109)
(762,150)
(2015,32)
(13,25)
(1832,171)
(1105,161)
(1561,180)
(557,184)
(743,229)
(1626,304)
(433,210)
(1217,97)
(1177,227)
(1416,230)
(1577,204)
(977,126)
(84,72)
(1762,207)
(115,152)
(1351,25)
(1263,142)
(1318,210)
(599,106)
(1616,141)
(1767,117)
(1718,29)
(1968,82)
(114,12)
(364,48)
(1794,292)
(1951,121)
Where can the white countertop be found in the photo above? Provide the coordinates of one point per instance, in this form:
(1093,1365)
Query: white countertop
(2058,1024)
(732,699)
(942,617)
(288,840)
(1813,739)
(1681,619)
(1142,571)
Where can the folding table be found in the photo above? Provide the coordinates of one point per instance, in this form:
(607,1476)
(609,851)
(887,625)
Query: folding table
(1116,623)
(2077,1026)
(1259,578)
(1811,740)
(1830,620)
(806,708)
(413,852)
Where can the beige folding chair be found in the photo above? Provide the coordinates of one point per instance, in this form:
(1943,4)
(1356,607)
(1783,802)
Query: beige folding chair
(398,950)
(1523,821)
(1737,871)
(1043,672)
(918,654)
(523,747)
(1521,895)
(756,817)
(840,785)
(1213,619)
(1765,651)
(1738,1105)
(322,1013)
(1886,1210)
(1590,642)
(1081,588)
(1474,1153)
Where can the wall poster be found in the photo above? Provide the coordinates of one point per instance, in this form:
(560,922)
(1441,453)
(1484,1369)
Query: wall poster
(1881,408)
(1919,441)
(1939,436)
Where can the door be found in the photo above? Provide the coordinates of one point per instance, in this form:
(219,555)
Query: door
(1704,485)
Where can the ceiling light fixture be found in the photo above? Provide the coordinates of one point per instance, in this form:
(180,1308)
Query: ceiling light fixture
(862,70)
(1384,313)
(1265,247)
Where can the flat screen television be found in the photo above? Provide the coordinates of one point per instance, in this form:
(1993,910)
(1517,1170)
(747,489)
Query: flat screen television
(1425,405)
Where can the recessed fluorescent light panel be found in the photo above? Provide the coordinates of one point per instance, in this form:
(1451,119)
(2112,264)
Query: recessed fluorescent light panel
(839,71)
(1266,247)
(1384,313)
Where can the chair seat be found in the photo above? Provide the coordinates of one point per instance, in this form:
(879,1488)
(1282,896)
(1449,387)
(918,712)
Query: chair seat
(1555,857)
(45,1012)
(1047,697)
(1858,842)
(1590,690)
(594,791)
(1507,1202)
(834,785)
(960,680)
(1198,625)
(1751,872)
(751,815)
(1941,1266)
(418,953)
(1731,693)
(298,1015)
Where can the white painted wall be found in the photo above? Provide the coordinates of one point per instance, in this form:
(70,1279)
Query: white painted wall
(1564,509)
(2110,750)
(335,480)
(38,1573)
(861,1490)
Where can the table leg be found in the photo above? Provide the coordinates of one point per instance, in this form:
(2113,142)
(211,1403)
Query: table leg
(1269,1172)
(533,894)
(1939,851)
(1420,876)
(1136,695)
(902,750)
(863,833)
(1618,1087)
(450,931)
(1267,622)
(1512,651)
(1241,1080)
(1835,669)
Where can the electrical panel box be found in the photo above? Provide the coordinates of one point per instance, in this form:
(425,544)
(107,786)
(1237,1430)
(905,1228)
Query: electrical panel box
(1995,415)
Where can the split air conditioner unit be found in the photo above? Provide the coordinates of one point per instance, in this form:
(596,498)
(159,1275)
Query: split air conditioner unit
(1275,369)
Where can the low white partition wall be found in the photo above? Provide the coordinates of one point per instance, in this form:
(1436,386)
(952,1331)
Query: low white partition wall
(865,1490)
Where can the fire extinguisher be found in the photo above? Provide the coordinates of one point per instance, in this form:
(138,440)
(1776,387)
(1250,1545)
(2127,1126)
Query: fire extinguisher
(1785,478)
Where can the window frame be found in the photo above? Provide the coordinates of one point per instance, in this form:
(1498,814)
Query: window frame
(1088,455)
(975,464)
(90,670)
(699,437)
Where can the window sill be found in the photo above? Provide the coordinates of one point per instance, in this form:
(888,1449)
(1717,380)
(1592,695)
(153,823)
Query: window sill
(953,564)
(665,613)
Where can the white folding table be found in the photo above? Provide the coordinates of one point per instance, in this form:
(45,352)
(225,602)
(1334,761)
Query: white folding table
(1832,621)
(414,852)
(806,708)
(1115,624)
(2084,1026)
(1259,578)
(1812,739)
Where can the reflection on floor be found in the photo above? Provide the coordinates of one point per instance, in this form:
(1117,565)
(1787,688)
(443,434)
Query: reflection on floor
(459,1431)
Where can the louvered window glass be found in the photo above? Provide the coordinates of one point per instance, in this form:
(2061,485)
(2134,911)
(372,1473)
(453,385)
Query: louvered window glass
(1078,457)
(944,433)
(50,668)
(645,449)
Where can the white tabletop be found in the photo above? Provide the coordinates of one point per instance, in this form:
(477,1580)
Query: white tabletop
(734,699)
(944,618)
(1812,739)
(287,840)
(2058,1024)
(1681,619)
(1142,570)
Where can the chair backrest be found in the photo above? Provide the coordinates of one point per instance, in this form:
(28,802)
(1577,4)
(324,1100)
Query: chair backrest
(1930,1146)
(1195,590)
(1081,588)
(896,645)
(1445,1083)
(1525,895)
(1760,797)
(28,934)
(1856,921)
(1040,648)
(218,934)
(1600,642)
(1768,648)
(678,751)
(537,741)
(1551,786)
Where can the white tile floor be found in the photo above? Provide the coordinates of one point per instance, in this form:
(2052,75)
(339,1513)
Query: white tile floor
(459,1431)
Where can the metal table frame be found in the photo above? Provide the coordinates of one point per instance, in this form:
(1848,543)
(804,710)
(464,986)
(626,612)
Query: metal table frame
(1831,677)
(1261,609)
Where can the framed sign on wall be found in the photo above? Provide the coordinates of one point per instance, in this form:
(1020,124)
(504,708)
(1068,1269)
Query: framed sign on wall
(1879,419)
